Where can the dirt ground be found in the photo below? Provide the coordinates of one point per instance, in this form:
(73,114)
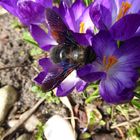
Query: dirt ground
(15,52)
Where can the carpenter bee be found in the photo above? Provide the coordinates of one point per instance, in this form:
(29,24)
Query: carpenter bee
(68,55)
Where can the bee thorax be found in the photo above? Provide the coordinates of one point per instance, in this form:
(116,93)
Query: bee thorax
(72,55)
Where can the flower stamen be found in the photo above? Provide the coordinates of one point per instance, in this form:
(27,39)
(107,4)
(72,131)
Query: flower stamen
(109,62)
(82,26)
(123,9)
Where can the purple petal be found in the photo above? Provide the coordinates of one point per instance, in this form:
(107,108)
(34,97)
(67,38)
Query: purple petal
(45,3)
(42,38)
(126,76)
(85,18)
(134,5)
(51,77)
(9,5)
(113,92)
(72,14)
(125,27)
(45,63)
(30,12)
(100,13)
(81,85)
(62,10)
(68,85)
(83,39)
(40,77)
(77,8)
(49,66)
(68,17)
(103,44)
(89,73)
(129,53)
(68,2)
(138,32)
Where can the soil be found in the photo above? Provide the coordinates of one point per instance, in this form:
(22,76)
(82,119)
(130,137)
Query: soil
(15,52)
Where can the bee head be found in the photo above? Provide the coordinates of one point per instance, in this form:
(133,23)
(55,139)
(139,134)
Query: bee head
(55,54)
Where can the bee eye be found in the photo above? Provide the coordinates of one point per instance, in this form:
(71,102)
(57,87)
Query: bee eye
(62,54)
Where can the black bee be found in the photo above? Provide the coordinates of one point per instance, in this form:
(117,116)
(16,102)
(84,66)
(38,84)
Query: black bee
(68,53)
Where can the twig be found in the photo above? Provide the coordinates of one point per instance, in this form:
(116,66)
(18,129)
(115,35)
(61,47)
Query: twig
(23,119)
(112,112)
(121,133)
(125,123)
(67,103)
(10,67)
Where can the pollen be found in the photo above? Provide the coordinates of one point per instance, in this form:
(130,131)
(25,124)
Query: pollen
(82,27)
(123,9)
(109,62)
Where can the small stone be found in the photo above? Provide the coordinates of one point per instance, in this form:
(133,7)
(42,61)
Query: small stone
(57,128)
(31,123)
(103,137)
(24,137)
(12,123)
(8,96)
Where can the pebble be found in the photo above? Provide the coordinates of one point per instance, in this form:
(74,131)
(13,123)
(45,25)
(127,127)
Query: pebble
(24,137)
(8,96)
(31,124)
(57,128)
(1,132)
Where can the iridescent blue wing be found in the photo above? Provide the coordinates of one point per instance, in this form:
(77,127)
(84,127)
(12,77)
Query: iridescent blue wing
(59,30)
(53,79)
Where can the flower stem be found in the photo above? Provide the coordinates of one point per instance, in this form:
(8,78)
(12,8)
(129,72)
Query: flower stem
(137,95)
(93,96)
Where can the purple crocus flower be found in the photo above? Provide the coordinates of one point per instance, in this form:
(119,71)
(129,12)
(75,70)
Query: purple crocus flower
(121,17)
(28,11)
(115,67)
(76,18)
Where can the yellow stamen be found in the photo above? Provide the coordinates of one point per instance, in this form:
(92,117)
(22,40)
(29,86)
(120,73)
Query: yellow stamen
(109,62)
(123,10)
(82,26)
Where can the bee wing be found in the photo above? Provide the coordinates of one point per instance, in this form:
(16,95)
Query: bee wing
(58,28)
(52,80)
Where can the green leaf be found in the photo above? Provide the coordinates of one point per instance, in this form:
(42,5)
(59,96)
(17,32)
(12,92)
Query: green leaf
(93,96)
(136,103)
(85,135)
(123,110)
(137,95)
(49,96)
(87,2)
(35,51)
(40,130)
(16,24)
(28,38)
